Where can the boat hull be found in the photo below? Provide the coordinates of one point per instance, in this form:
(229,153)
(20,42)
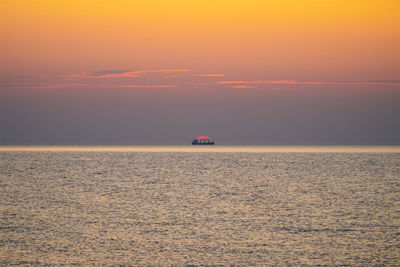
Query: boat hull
(203,144)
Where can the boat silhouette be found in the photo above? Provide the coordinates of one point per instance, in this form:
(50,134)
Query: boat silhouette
(203,140)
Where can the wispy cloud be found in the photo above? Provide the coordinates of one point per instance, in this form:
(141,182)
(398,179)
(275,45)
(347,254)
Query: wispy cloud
(83,85)
(170,78)
(120,74)
(243,86)
(260,87)
(162,70)
(47,86)
(209,75)
(108,72)
(143,86)
(293,82)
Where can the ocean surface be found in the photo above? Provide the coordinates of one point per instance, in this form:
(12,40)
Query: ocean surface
(200,206)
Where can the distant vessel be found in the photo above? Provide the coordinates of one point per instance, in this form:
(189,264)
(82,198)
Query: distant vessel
(203,140)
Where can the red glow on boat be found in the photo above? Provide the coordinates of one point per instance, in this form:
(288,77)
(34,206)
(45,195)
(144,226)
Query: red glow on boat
(202,137)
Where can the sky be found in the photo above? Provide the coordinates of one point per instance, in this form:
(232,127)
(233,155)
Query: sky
(158,72)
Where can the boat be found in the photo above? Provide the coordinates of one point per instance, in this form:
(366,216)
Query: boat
(203,140)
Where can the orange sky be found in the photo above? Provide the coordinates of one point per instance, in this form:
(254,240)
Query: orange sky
(264,39)
(162,71)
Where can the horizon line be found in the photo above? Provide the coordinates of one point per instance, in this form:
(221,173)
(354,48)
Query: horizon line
(216,148)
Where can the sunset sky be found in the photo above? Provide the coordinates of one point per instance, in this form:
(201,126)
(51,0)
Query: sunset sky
(271,72)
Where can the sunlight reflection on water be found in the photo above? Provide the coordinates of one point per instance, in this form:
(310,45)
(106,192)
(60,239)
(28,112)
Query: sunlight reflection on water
(146,208)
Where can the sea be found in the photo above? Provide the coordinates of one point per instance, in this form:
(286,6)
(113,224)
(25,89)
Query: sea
(200,206)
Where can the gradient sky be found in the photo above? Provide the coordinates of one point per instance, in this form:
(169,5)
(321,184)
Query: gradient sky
(272,72)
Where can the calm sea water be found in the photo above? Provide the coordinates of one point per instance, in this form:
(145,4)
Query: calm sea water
(161,207)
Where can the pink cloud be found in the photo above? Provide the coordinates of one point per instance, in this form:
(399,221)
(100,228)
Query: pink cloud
(47,86)
(120,74)
(292,82)
(82,85)
(143,86)
(243,86)
(258,82)
(209,75)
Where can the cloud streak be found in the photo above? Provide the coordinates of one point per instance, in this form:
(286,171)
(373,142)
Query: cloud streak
(244,86)
(170,78)
(293,82)
(46,86)
(83,85)
(143,86)
(120,74)
(209,75)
